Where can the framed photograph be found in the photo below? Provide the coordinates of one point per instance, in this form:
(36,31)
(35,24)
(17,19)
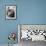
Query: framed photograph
(33,32)
(11,12)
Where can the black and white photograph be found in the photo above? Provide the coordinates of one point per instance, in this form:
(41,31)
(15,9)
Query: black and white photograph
(31,34)
(11,12)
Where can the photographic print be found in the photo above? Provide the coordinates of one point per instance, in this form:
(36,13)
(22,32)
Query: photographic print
(33,32)
(10,12)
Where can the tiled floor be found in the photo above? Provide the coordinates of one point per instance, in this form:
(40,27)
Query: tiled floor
(7,45)
(30,43)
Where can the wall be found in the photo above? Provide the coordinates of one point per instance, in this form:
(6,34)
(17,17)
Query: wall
(33,11)
(28,12)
